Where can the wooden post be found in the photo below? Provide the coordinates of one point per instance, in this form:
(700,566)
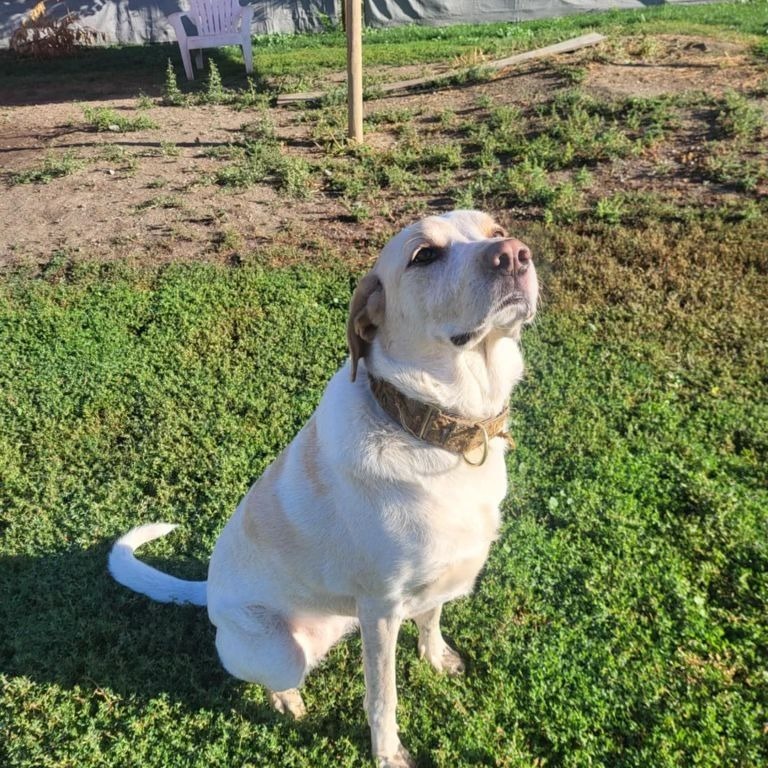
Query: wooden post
(354,23)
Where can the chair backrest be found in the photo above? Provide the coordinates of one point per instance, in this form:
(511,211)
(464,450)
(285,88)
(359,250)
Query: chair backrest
(213,17)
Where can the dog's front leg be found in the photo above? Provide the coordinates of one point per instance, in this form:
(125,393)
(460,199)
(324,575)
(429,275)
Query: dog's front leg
(433,647)
(379,624)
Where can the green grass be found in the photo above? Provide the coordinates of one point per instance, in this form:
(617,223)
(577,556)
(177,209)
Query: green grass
(620,620)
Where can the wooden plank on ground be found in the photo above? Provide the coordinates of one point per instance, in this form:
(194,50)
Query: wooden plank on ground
(567,46)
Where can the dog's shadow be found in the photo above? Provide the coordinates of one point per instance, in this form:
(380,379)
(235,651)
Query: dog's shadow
(63,620)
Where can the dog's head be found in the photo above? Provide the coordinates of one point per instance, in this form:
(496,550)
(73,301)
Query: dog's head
(441,286)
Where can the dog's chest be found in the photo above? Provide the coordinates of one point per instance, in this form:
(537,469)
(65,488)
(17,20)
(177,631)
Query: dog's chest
(436,539)
(451,558)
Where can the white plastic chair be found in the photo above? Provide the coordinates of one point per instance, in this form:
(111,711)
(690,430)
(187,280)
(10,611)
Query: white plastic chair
(210,24)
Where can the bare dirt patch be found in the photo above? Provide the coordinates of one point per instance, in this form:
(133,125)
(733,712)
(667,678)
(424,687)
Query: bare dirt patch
(671,64)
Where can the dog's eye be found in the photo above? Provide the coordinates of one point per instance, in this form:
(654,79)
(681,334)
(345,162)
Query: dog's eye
(498,232)
(425,254)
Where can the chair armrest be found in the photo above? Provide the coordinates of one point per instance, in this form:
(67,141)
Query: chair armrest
(182,24)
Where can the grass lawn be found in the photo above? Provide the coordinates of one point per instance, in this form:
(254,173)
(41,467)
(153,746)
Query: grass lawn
(622,618)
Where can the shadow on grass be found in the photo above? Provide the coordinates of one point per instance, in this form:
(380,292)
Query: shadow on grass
(112,72)
(64,620)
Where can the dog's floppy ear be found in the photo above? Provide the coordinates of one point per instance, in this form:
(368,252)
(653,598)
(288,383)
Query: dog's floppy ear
(366,313)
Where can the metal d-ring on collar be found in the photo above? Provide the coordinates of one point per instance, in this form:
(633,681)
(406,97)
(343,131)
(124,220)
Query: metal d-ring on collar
(485,450)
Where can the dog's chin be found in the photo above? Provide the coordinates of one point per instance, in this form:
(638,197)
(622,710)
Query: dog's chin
(511,312)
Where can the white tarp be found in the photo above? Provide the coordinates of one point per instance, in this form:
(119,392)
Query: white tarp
(391,13)
(144,21)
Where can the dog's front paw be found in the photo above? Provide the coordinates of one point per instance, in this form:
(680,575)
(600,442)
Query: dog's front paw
(288,703)
(401,759)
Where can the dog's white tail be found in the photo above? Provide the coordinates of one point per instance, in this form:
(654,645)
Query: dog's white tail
(145,579)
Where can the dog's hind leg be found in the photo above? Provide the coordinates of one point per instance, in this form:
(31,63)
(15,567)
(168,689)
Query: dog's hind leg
(433,647)
(259,645)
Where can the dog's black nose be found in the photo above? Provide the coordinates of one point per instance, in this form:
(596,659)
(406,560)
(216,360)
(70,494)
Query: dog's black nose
(509,256)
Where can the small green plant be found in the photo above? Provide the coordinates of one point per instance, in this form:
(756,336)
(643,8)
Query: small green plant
(294,176)
(564,205)
(464,197)
(250,97)
(396,116)
(507,125)
(440,156)
(334,97)
(228,240)
(144,101)
(649,119)
(583,178)
(360,212)
(528,182)
(172,95)
(610,209)
(329,129)
(264,162)
(474,75)
(169,149)
(214,88)
(447,118)
(739,119)
(54,166)
(119,156)
(261,128)
(573,74)
(725,165)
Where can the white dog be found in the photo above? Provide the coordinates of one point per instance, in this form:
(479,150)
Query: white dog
(385,504)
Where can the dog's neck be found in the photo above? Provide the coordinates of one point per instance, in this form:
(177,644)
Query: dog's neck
(474,383)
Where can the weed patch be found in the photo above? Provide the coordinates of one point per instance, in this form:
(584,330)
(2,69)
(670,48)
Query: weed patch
(107,119)
(54,166)
(259,162)
(739,119)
